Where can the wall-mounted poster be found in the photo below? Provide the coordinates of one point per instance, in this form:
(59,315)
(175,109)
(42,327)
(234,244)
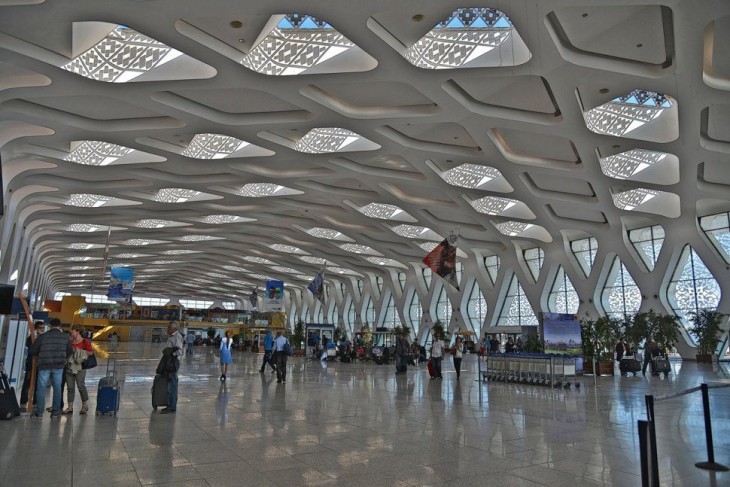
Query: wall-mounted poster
(561,333)
(274,298)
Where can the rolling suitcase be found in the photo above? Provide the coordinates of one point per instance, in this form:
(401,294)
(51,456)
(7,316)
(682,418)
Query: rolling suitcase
(629,365)
(107,397)
(159,391)
(661,366)
(8,400)
(430,368)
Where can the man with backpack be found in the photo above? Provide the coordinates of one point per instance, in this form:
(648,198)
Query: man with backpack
(282,350)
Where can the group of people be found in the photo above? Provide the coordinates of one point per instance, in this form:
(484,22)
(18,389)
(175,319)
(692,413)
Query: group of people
(652,350)
(406,353)
(61,358)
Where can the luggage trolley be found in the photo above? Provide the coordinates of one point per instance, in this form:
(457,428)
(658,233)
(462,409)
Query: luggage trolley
(564,368)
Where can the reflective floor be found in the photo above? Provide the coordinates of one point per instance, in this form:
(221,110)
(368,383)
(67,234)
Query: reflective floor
(360,424)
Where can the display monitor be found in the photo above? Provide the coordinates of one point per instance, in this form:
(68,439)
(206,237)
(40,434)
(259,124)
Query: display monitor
(6,298)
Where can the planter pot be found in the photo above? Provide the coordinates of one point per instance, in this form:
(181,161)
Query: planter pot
(299,352)
(704,358)
(604,368)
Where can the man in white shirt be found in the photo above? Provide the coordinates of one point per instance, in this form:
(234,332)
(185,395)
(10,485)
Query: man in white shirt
(437,354)
(280,356)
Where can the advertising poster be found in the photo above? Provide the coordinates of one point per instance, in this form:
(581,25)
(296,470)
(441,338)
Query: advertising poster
(561,333)
(121,284)
(274,298)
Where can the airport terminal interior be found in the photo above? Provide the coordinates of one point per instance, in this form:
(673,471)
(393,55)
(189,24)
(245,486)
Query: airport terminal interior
(348,169)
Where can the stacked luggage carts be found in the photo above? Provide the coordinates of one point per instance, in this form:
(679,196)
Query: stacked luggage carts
(532,368)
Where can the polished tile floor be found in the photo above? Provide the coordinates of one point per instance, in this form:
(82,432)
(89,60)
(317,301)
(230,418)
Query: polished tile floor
(360,424)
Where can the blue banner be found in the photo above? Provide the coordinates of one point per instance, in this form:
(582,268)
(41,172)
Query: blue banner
(121,283)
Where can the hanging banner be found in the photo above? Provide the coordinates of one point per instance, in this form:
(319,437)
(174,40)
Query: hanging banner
(274,298)
(561,333)
(121,283)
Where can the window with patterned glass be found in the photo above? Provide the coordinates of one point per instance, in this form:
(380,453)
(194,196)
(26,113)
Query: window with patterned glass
(443,308)
(492,263)
(648,243)
(379,282)
(516,309)
(693,287)
(318,313)
(415,313)
(343,288)
(369,313)
(620,296)
(229,305)
(333,314)
(360,286)
(427,273)
(563,297)
(402,280)
(392,319)
(585,250)
(534,259)
(476,308)
(459,271)
(196,303)
(717,229)
(147,301)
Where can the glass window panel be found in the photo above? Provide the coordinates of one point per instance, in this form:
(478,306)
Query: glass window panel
(516,309)
(563,297)
(534,259)
(415,313)
(492,263)
(585,251)
(621,296)
(717,230)
(648,243)
(443,308)
(427,273)
(476,308)
(693,287)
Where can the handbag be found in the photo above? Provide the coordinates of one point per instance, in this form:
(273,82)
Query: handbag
(89,363)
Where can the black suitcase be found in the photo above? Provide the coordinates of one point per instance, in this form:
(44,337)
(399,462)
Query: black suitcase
(661,366)
(629,365)
(9,407)
(159,391)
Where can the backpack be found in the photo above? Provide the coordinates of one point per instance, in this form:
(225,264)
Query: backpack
(288,349)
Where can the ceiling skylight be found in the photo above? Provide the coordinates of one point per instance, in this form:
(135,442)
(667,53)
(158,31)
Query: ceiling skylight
(82,258)
(470,175)
(141,241)
(428,246)
(327,140)
(326,233)
(127,256)
(96,153)
(259,260)
(629,200)
(410,231)
(223,219)
(88,200)
(381,211)
(199,238)
(385,262)
(121,55)
(216,146)
(82,246)
(289,249)
(164,262)
(470,38)
(86,228)
(642,165)
(342,270)
(313,260)
(492,205)
(513,228)
(181,252)
(175,195)
(358,249)
(260,190)
(301,44)
(234,268)
(286,270)
(643,115)
(153,223)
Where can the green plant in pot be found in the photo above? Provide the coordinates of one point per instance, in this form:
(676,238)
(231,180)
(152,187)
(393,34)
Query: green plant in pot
(297,338)
(706,329)
(406,330)
(598,339)
(533,344)
(438,330)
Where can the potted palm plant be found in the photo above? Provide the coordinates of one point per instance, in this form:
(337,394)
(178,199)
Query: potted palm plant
(598,338)
(706,328)
(297,338)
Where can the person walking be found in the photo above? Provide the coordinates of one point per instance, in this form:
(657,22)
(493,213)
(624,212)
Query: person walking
(52,348)
(649,351)
(280,356)
(75,372)
(225,353)
(268,352)
(190,341)
(457,352)
(175,342)
(402,349)
(437,354)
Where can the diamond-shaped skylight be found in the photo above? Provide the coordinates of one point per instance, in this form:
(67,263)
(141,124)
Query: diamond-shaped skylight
(175,195)
(259,260)
(357,249)
(127,256)
(82,258)
(289,249)
(428,246)
(326,233)
(513,228)
(215,146)
(121,55)
(88,200)
(492,205)
(86,228)
(223,219)
(642,165)
(286,270)
(165,262)
(410,231)
(342,270)
(153,223)
(82,246)
(299,44)
(234,268)
(636,115)
(96,153)
(199,238)
(470,38)
(648,200)
(470,175)
(260,190)
(141,241)
(261,277)
(327,140)
(385,262)
(313,260)
(217,275)
(381,211)
(80,267)
(181,252)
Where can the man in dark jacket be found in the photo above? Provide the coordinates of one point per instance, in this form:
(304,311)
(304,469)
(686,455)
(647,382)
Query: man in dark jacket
(52,348)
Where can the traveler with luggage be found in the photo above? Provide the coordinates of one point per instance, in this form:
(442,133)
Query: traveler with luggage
(174,346)
(402,349)
(282,349)
(52,348)
(75,370)
(650,349)
(437,354)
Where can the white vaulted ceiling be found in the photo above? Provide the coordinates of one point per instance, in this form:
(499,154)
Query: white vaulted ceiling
(210,144)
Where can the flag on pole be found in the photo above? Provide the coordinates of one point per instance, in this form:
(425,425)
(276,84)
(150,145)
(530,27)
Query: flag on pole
(442,261)
(253,298)
(317,286)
